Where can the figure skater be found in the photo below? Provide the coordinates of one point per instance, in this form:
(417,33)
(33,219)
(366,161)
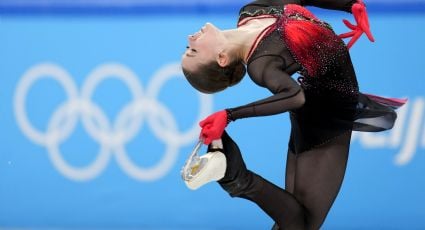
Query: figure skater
(273,41)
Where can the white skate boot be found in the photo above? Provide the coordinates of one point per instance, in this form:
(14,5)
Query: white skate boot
(199,170)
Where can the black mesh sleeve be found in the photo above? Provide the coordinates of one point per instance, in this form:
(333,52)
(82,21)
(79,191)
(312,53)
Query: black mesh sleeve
(287,94)
(342,5)
(255,5)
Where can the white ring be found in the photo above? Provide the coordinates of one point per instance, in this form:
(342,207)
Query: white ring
(111,136)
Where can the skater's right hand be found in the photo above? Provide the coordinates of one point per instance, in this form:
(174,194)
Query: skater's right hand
(213,126)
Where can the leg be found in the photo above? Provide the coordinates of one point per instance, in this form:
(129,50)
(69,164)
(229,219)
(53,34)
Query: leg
(291,167)
(289,176)
(318,178)
(279,204)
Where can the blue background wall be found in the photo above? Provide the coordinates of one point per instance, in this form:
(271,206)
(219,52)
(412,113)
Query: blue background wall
(97,120)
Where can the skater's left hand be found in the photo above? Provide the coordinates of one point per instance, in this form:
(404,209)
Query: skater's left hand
(213,126)
(360,15)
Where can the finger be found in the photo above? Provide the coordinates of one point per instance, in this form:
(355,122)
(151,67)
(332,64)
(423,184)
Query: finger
(365,27)
(369,36)
(354,39)
(205,122)
(366,18)
(346,35)
(350,44)
(349,25)
(206,131)
(203,139)
(206,140)
(206,127)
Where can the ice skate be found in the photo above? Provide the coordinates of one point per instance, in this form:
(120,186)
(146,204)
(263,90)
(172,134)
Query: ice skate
(200,170)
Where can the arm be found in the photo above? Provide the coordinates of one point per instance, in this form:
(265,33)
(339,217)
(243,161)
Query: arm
(258,4)
(266,72)
(343,5)
(287,94)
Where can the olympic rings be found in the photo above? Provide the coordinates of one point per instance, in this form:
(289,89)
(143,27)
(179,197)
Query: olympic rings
(112,137)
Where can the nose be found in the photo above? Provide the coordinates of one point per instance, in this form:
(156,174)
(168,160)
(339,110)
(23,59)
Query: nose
(194,36)
(208,25)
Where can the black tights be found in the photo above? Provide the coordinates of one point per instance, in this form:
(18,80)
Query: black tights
(313,180)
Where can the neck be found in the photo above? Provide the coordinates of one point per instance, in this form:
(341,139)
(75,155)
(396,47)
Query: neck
(242,38)
(240,41)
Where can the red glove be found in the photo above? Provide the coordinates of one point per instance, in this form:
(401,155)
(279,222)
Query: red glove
(213,126)
(360,15)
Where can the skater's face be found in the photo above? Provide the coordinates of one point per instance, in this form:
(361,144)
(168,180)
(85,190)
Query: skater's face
(203,47)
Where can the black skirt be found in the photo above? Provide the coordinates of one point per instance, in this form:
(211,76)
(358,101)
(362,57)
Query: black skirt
(320,120)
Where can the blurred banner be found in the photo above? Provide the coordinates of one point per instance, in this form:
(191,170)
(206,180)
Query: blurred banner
(97,121)
(166,6)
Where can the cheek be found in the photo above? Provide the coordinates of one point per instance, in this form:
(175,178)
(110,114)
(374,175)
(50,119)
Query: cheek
(186,63)
(207,40)
(210,45)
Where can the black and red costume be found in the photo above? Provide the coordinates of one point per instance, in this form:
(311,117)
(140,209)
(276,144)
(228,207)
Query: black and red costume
(298,42)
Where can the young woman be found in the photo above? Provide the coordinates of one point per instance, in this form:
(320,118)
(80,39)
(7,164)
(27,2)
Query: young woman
(275,40)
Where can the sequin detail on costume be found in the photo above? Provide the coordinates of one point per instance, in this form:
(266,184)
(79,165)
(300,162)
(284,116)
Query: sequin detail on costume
(315,47)
(311,41)
(337,89)
(262,11)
